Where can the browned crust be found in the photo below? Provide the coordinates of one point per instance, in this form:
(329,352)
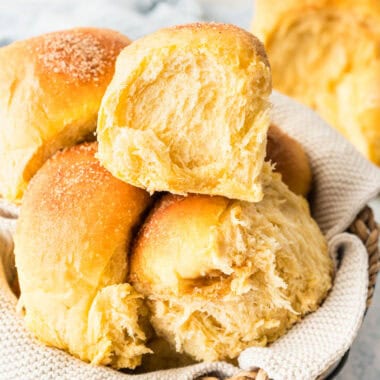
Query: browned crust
(244,36)
(79,55)
(168,220)
(290,160)
(50,92)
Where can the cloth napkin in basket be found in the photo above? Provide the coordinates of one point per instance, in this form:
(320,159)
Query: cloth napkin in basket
(343,183)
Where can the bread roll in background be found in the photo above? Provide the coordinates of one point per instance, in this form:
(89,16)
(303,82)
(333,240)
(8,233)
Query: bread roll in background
(326,54)
(50,91)
(222,275)
(71,248)
(188,111)
(290,160)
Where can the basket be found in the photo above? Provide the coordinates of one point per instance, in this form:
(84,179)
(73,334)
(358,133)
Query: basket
(365,227)
(334,163)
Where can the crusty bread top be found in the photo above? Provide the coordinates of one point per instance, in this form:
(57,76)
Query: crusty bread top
(50,91)
(76,56)
(216,29)
(80,207)
(187,223)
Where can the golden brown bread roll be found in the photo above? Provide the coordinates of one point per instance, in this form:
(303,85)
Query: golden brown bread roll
(326,53)
(290,160)
(71,248)
(188,111)
(50,91)
(222,275)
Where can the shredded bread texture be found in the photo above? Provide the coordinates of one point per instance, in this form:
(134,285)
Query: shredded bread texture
(242,274)
(188,111)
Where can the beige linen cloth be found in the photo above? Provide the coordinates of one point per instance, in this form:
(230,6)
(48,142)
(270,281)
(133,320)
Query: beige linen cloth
(343,183)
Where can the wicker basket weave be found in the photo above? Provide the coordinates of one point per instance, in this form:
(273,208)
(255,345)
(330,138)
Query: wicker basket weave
(365,227)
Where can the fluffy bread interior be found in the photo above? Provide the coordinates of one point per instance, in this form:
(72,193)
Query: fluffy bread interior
(222,275)
(188,111)
(332,55)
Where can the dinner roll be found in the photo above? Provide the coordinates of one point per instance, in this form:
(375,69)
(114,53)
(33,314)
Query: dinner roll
(50,92)
(290,160)
(326,53)
(71,248)
(188,111)
(222,275)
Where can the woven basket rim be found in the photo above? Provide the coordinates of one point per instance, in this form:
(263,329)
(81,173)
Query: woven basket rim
(367,230)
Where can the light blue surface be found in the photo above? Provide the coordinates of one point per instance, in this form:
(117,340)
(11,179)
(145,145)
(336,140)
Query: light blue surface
(22,18)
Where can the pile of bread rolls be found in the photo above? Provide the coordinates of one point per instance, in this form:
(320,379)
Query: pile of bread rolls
(173,236)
